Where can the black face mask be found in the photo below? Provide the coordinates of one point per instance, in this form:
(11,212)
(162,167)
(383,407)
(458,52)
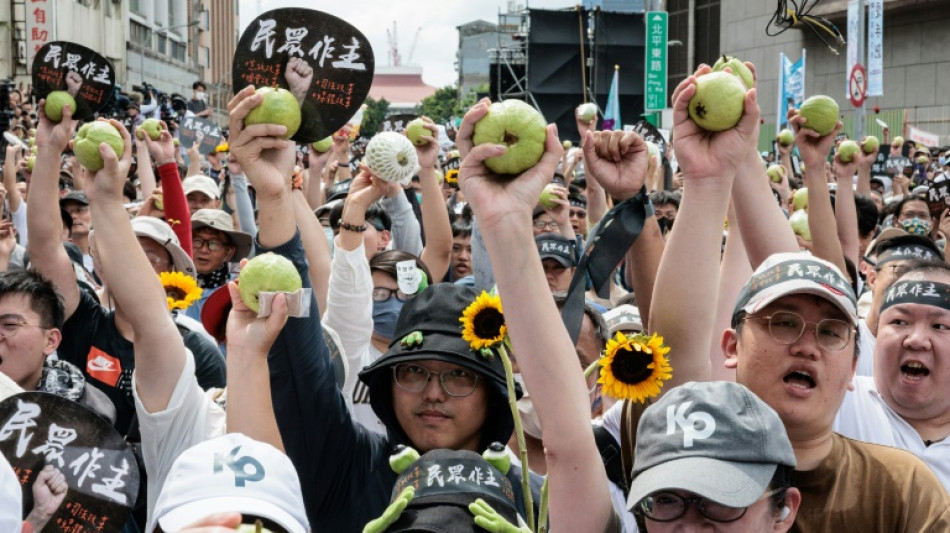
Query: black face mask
(665,224)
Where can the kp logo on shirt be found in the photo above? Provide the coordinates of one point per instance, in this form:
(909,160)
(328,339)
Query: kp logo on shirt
(103,366)
(676,417)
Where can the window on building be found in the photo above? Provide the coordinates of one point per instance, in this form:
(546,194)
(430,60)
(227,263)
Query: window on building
(140,34)
(178,51)
(135,7)
(707,31)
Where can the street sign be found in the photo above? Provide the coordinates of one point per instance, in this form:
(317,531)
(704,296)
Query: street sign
(858,85)
(654,65)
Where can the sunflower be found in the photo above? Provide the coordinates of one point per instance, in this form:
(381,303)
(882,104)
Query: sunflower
(181,290)
(452,176)
(483,323)
(634,367)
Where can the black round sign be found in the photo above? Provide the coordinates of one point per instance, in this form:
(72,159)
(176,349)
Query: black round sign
(84,74)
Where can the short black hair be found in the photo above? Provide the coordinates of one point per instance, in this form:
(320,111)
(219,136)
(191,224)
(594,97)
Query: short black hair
(44,300)
(867,214)
(461,228)
(666,197)
(197,84)
(903,201)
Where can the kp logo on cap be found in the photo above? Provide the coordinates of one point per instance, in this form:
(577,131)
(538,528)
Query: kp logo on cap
(239,465)
(676,417)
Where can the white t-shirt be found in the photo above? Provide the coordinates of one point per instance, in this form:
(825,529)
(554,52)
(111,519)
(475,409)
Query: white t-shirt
(865,416)
(350,314)
(865,350)
(191,417)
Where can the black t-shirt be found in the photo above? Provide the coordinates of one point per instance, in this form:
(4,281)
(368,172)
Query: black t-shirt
(92,343)
(197,106)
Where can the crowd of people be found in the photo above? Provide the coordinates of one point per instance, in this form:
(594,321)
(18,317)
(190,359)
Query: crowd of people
(730,374)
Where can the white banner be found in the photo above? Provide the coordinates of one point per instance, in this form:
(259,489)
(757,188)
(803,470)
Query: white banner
(40,27)
(875,47)
(852,37)
(923,137)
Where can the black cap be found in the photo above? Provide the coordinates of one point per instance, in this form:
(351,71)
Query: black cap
(906,248)
(74,196)
(556,246)
(435,312)
(338,190)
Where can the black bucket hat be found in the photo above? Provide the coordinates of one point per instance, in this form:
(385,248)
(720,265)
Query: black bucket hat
(435,313)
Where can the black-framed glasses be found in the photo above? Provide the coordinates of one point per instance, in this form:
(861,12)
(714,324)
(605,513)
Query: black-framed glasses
(9,328)
(381,294)
(542,225)
(213,245)
(787,327)
(669,506)
(458,382)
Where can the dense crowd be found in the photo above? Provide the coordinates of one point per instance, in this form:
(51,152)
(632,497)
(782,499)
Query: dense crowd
(735,371)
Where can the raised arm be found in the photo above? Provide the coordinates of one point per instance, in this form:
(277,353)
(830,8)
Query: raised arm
(45,245)
(10,165)
(846,212)
(688,278)
(814,149)
(435,219)
(159,348)
(175,205)
(315,245)
(143,168)
(548,362)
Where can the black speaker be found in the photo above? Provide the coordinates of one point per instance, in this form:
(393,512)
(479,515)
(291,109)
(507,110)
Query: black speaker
(557,64)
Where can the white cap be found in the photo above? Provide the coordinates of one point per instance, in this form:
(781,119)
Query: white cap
(11,498)
(203,184)
(231,473)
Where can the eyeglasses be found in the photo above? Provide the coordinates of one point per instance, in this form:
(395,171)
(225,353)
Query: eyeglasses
(579,213)
(381,294)
(213,245)
(787,327)
(10,328)
(542,225)
(669,506)
(457,382)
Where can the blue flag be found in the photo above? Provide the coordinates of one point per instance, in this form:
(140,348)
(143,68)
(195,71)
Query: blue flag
(612,113)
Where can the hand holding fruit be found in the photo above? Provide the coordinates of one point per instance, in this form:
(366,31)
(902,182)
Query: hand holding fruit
(154,205)
(814,146)
(244,328)
(618,160)
(555,203)
(846,160)
(491,198)
(704,153)
(161,147)
(422,133)
(55,135)
(107,181)
(265,155)
(365,189)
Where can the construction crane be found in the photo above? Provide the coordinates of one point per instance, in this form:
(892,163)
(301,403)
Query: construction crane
(412,48)
(391,36)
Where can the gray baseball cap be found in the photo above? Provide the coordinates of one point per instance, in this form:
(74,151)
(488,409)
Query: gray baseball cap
(714,439)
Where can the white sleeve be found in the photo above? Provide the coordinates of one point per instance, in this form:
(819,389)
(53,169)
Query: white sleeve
(350,309)
(191,417)
(19,222)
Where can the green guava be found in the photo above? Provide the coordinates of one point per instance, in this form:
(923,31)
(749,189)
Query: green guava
(800,199)
(267,273)
(718,102)
(846,150)
(518,126)
(567,145)
(587,112)
(279,106)
(923,160)
(898,141)
(323,144)
(176,142)
(776,173)
(415,130)
(547,198)
(152,127)
(30,161)
(799,223)
(88,139)
(820,113)
(786,137)
(870,143)
(55,101)
(737,67)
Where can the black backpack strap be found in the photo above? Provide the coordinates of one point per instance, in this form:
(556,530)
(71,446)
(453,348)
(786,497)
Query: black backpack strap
(610,454)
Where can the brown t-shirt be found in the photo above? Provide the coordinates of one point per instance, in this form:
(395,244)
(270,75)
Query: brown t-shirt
(870,488)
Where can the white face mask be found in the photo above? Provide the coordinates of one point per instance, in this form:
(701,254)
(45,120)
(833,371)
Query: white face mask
(200,95)
(529,417)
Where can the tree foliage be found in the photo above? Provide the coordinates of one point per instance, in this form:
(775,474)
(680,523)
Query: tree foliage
(376,111)
(441,106)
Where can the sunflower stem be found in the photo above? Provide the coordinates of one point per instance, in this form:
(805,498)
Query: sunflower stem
(543,511)
(519,435)
(592,368)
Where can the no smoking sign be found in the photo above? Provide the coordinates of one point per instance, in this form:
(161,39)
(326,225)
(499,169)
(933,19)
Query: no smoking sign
(858,85)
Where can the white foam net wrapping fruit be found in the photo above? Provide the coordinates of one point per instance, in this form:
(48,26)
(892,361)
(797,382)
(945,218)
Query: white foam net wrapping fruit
(390,156)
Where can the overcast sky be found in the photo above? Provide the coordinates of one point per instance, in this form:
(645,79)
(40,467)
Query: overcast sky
(438,41)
